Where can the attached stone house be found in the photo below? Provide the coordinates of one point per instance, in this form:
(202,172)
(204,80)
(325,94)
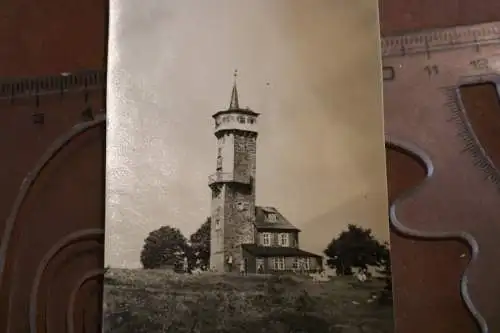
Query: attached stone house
(276,246)
(242,234)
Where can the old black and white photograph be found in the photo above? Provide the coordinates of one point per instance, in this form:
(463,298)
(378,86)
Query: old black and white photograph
(246,184)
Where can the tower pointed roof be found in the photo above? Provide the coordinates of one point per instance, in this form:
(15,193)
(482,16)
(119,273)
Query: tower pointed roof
(234,104)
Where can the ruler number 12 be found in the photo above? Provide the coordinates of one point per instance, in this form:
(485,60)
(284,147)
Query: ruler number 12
(481,63)
(431,70)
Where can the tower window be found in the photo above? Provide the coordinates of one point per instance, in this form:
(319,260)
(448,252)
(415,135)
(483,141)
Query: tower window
(241,119)
(219,163)
(217,224)
(241,206)
(219,159)
(251,120)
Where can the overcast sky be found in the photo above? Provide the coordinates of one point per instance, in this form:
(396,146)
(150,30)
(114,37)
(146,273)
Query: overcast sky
(320,152)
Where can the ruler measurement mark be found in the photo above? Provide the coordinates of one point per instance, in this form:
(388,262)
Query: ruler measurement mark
(478,56)
(427,49)
(392,47)
(50,92)
(18,88)
(428,42)
(409,51)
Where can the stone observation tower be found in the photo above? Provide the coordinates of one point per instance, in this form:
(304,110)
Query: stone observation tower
(244,236)
(233,184)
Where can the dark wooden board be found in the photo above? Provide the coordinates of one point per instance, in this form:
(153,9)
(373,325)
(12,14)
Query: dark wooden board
(40,38)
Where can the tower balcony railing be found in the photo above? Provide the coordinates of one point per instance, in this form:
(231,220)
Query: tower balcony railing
(221,177)
(236,126)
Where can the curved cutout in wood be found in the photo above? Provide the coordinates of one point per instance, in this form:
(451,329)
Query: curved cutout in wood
(424,160)
(32,176)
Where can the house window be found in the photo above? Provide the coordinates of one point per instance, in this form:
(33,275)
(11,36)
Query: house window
(266,239)
(283,239)
(279,264)
(259,263)
(295,264)
(271,217)
(306,263)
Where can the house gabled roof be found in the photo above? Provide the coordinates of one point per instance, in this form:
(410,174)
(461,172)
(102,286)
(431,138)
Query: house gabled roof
(262,223)
(277,251)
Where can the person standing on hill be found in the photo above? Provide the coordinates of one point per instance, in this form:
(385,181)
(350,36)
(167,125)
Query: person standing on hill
(230,263)
(243,268)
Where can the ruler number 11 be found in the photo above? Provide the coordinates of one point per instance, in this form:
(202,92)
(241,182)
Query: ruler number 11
(431,70)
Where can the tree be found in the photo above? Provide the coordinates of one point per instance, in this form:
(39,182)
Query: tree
(200,244)
(354,248)
(386,272)
(164,246)
(385,262)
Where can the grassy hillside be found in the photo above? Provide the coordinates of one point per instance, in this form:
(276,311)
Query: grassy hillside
(155,301)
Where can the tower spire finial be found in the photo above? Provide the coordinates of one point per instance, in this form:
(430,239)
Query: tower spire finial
(234,105)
